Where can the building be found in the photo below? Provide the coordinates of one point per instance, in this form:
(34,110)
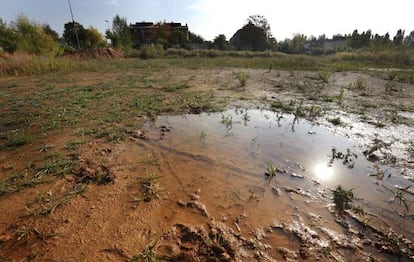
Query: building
(146,32)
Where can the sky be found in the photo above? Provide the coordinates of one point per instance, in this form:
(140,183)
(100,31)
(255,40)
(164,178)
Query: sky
(210,18)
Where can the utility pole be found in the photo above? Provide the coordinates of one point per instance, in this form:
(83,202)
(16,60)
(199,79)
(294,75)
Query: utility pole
(74,27)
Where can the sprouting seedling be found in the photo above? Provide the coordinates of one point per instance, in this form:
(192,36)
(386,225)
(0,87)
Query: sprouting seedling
(400,195)
(270,170)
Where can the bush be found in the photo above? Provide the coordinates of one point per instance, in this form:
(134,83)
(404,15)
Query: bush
(151,51)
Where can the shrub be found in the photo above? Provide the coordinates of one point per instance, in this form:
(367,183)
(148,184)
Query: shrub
(151,51)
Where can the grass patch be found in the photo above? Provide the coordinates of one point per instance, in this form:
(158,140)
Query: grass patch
(335,121)
(242,77)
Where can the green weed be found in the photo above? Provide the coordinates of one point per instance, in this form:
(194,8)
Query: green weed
(335,121)
(149,254)
(324,76)
(150,188)
(342,199)
(271,170)
(242,76)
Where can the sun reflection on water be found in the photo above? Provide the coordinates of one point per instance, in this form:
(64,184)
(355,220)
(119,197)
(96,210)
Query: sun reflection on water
(323,171)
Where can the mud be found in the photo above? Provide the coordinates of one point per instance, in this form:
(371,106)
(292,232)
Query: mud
(194,188)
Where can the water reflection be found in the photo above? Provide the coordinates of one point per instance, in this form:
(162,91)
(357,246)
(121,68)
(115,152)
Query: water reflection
(323,172)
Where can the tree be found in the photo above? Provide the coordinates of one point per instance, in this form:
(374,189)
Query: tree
(255,35)
(399,37)
(32,38)
(194,38)
(69,34)
(120,35)
(8,38)
(250,37)
(220,42)
(297,44)
(409,39)
(48,30)
(93,38)
(261,22)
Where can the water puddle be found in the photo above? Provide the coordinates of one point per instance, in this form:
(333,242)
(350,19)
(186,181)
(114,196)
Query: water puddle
(225,157)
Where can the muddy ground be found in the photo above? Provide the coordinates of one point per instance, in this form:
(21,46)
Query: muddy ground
(87,189)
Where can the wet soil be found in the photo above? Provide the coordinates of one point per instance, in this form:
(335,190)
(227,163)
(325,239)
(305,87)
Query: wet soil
(193,187)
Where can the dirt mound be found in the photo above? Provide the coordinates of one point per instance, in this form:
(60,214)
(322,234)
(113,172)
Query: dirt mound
(217,243)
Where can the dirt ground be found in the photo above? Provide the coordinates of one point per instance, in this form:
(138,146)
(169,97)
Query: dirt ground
(82,197)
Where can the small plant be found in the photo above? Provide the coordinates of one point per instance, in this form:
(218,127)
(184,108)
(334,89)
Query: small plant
(150,188)
(341,95)
(400,195)
(335,121)
(227,121)
(410,148)
(359,84)
(242,76)
(342,199)
(149,254)
(324,76)
(271,170)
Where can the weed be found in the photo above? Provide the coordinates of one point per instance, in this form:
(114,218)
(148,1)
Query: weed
(45,148)
(376,145)
(379,174)
(149,254)
(15,142)
(45,204)
(150,188)
(149,162)
(227,121)
(242,76)
(271,170)
(74,145)
(175,88)
(379,124)
(280,105)
(324,76)
(410,148)
(399,194)
(359,84)
(341,95)
(342,199)
(335,121)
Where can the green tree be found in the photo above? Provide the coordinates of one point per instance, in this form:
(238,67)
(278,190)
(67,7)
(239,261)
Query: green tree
(93,39)
(220,42)
(250,37)
(297,43)
(33,39)
(8,37)
(255,35)
(120,35)
(399,37)
(48,30)
(194,38)
(409,39)
(69,34)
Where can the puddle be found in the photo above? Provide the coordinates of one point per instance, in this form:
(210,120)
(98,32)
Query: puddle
(225,157)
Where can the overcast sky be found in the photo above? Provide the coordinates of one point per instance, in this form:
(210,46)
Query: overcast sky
(209,18)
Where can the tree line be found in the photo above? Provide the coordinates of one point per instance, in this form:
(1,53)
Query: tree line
(254,35)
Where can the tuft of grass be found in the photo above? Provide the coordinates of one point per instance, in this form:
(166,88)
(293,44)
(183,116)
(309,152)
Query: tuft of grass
(342,199)
(335,121)
(324,76)
(176,88)
(45,204)
(15,142)
(242,76)
(149,254)
(271,170)
(150,188)
(74,145)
